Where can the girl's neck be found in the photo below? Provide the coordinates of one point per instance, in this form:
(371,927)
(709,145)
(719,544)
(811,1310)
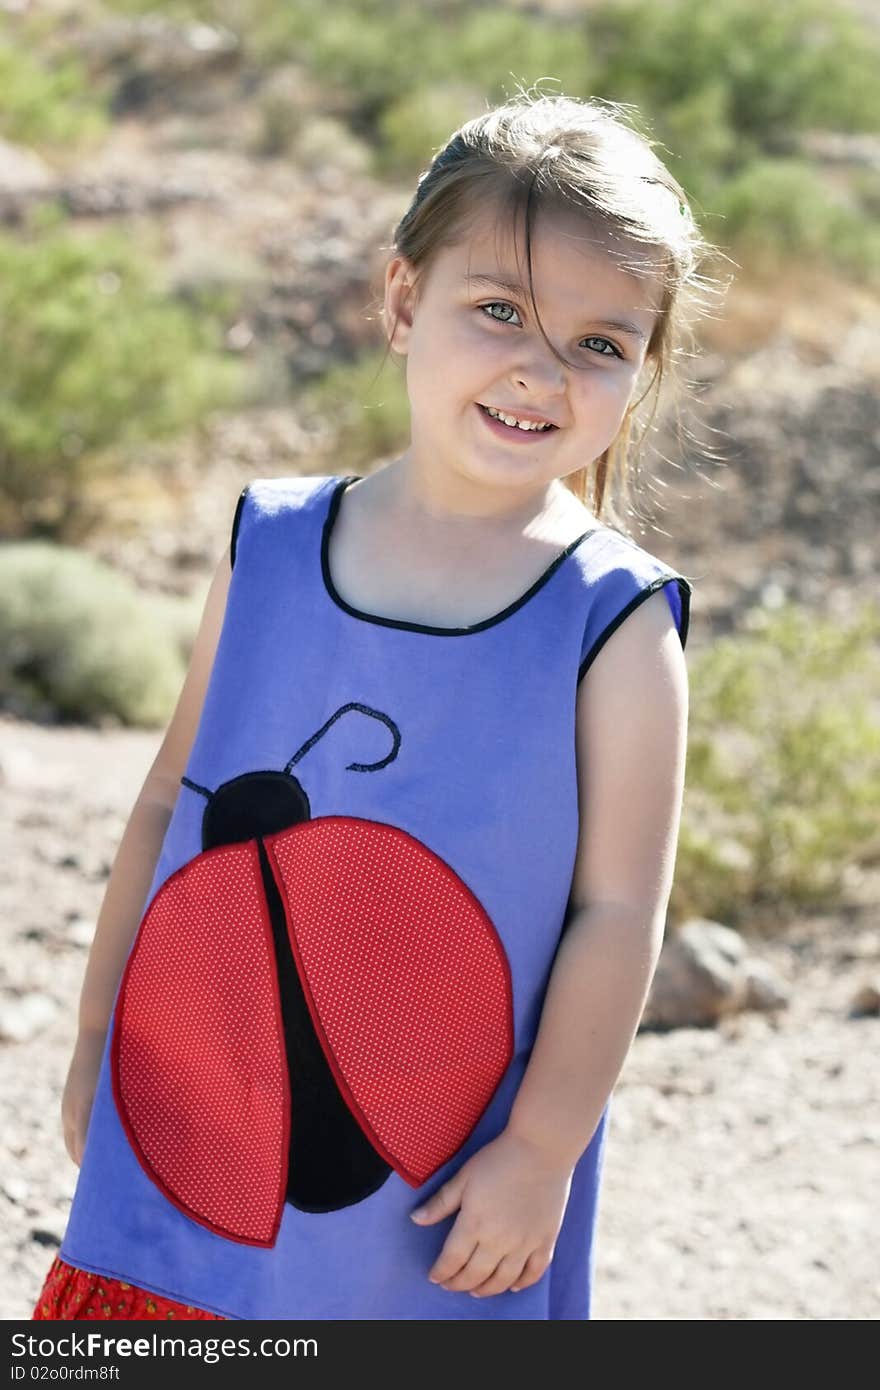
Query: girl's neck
(423,501)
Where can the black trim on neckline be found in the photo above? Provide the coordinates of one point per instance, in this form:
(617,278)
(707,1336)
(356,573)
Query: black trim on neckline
(339,487)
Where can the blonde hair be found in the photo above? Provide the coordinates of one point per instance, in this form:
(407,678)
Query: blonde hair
(552,153)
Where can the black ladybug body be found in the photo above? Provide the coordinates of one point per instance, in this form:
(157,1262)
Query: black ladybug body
(331,1161)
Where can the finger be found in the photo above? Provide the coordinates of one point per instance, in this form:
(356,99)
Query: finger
(535,1267)
(452,1258)
(477,1270)
(444,1202)
(507,1273)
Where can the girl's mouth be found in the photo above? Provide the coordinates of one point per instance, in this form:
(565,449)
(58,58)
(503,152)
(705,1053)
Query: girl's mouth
(513,433)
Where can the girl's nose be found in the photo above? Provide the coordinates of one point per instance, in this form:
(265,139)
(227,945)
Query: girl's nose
(540,374)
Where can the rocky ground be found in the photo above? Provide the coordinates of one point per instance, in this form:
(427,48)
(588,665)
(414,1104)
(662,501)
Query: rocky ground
(740,1178)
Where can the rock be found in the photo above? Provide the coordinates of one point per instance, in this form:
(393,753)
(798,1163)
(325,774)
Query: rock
(43,1236)
(80,931)
(16,765)
(705,974)
(865,1002)
(764,988)
(22,1018)
(22,174)
(865,947)
(701,976)
(21,168)
(839,147)
(65,1185)
(151,46)
(16,1189)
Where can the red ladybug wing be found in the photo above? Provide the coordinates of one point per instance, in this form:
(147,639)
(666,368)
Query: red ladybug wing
(406,979)
(198,1062)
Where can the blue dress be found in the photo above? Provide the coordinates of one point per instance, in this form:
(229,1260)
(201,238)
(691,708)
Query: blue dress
(338,977)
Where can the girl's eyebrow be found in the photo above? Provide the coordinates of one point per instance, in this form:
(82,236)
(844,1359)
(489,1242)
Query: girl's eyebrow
(513,287)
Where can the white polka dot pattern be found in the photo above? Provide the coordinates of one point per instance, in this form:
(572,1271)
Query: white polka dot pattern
(407,981)
(199,1066)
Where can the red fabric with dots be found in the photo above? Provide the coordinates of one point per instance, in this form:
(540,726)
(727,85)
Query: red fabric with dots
(406,979)
(199,1067)
(71,1293)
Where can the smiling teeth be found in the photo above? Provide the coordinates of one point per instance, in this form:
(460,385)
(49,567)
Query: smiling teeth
(512,420)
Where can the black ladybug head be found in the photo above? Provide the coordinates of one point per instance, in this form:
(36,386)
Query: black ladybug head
(256,803)
(261,803)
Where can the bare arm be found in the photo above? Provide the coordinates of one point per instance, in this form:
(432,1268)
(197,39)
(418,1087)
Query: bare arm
(631,735)
(631,748)
(141,843)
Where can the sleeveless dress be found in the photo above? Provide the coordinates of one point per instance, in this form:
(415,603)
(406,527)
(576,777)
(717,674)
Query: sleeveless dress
(336,984)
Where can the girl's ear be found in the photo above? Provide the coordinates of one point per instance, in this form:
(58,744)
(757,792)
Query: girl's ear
(397,311)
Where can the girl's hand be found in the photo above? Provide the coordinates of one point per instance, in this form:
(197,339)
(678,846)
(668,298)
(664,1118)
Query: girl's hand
(512,1197)
(79,1092)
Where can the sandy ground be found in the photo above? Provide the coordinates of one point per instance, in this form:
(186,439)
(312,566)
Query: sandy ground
(737,1176)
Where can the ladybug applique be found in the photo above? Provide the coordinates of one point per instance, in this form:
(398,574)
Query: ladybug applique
(308,1004)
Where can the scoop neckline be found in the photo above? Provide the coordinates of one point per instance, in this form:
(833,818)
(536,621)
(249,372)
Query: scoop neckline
(338,487)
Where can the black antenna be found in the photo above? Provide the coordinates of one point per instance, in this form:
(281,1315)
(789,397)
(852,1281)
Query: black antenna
(352,767)
(194,787)
(310,743)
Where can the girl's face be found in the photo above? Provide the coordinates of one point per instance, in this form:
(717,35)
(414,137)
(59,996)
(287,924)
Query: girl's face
(470,343)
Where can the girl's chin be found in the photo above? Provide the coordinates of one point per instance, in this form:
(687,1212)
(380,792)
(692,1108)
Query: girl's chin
(500,474)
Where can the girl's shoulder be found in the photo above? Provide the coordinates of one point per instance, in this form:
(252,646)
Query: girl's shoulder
(616,575)
(264,501)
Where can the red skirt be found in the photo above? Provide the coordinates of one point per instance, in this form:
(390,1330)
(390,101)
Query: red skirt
(75,1293)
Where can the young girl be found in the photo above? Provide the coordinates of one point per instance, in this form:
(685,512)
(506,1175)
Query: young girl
(405,853)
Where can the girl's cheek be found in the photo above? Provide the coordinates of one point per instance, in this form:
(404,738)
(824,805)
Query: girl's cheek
(610,386)
(472,332)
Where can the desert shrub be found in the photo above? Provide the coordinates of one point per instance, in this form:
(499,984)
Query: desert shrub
(783,776)
(78,642)
(45,99)
(366,408)
(97,356)
(370,53)
(419,122)
(375,56)
(720,87)
(778,209)
(798,66)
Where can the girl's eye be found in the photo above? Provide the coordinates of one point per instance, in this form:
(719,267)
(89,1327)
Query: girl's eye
(499,304)
(614,351)
(503,304)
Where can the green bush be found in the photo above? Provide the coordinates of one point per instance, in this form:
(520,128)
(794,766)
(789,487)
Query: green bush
(418,123)
(783,777)
(720,88)
(798,66)
(727,90)
(45,100)
(96,357)
(777,209)
(368,409)
(375,55)
(79,642)
(372,53)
